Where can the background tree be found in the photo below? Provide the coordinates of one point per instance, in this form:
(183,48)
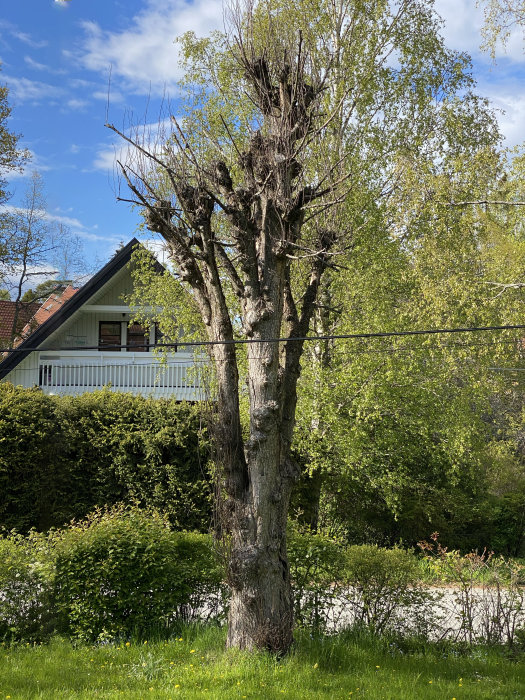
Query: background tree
(501,16)
(11,158)
(33,244)
(304,116)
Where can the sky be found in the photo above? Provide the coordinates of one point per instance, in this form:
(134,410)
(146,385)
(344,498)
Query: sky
(73,65)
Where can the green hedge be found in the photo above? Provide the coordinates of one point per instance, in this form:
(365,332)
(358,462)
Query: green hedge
(125,572)
(62,456)
(119,573)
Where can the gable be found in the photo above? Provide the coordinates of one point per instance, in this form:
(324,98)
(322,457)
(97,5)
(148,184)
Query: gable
(95,289)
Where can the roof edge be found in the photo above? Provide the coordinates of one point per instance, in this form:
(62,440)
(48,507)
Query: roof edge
(114,265)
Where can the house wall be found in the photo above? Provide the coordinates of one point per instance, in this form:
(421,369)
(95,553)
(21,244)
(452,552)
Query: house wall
(74,369)
(26,373)
(83,328)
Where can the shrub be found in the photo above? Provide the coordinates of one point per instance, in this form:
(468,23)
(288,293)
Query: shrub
(316,564)
(62,456)
(31,446)
(26,575)
(384,590)
(487,600)
(124,572)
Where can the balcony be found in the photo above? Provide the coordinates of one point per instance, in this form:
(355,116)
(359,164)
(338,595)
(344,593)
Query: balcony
(70,373)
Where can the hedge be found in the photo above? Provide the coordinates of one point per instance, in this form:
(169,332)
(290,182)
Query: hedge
(60,457)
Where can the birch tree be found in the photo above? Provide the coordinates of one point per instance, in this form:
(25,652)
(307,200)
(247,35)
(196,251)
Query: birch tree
(295,108)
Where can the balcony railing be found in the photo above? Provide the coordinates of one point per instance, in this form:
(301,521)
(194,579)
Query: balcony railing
(129,373)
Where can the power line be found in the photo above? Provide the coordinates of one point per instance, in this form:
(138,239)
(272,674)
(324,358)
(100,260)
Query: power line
(249,341)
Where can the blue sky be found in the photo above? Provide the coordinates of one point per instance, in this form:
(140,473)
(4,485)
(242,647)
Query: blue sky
(56,59)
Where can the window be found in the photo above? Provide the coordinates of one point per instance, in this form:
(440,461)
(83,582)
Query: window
(138,340)
(109,335)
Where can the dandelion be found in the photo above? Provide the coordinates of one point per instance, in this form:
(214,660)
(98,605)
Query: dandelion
(192,651)
(378,666)
(316,665)
(128,644)
(146,641)
(178,686)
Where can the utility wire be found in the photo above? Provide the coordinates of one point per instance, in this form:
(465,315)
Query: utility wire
(249,341)
(361,351)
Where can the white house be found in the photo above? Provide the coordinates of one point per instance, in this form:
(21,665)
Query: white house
(77,349)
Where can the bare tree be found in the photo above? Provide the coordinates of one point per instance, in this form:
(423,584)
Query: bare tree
(33,247)
(250,212)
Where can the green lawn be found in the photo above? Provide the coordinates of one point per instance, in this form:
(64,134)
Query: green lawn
(196,666)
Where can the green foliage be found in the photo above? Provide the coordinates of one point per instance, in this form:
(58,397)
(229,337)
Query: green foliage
(360,585)
(32,444)
(26,604)
(487,598)
(11,157)
(119,572)
(43,290)
(384,586)
(62,456)
(316,564)
(124,572)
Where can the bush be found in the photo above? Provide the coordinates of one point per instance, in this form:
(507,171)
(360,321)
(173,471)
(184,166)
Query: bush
(384,590)
(361,585)
(62,456)
(26,576)
(31,447)
(124,572)
(487,600)
(316,564)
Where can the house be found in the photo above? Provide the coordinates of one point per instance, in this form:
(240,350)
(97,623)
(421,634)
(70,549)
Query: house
(13,318)
(75,346)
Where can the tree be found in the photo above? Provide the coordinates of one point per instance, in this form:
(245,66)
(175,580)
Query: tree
(32,246)
(311,112)
(44,289)
(11,158)
(501,16)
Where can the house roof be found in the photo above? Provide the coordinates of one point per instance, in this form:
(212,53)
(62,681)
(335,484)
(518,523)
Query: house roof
(52,304)
(117,262)
(7,316)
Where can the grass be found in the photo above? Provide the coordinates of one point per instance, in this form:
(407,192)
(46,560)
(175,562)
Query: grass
(195,665)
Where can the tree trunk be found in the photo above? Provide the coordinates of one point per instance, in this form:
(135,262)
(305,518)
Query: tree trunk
(261,612)
(261,605)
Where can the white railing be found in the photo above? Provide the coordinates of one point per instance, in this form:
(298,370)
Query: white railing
(126,373)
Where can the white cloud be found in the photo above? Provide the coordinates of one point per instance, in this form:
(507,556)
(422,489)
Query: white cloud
(462,30)
(34,163)
(27,39)
(35,64)
(76,226)
(112,97)
(25,90)
(463,22)
(511,107)
(77,104)
(152,137)
(145,55)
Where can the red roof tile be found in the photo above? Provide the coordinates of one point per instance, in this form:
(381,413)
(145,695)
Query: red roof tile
(7,317)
